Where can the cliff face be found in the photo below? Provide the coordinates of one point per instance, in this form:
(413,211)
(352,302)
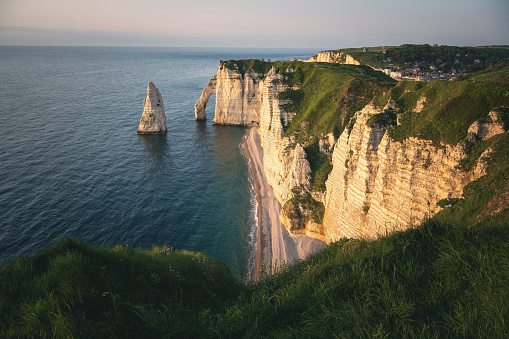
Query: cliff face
(238,97)
(251,98)
(153,119)
(284,161)
(334,56)
(327,56)
(378,185)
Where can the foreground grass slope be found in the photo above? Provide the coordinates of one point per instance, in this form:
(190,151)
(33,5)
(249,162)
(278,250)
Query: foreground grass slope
(74,290)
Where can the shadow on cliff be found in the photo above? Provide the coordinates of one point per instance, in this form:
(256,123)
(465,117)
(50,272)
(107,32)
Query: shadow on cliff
(157,152)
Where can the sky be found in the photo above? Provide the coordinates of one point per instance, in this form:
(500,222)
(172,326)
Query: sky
(327,24)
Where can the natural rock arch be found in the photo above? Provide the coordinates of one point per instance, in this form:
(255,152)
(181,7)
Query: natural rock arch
(201,104)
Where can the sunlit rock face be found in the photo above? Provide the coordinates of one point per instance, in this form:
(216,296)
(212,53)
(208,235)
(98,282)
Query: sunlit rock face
(238,97)
(489,127)
(378,185)
(153,119)
(334,57)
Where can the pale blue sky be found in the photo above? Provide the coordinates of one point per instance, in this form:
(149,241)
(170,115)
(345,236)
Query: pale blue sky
(323,24)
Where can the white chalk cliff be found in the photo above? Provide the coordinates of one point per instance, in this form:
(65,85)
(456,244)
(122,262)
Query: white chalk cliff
(153,118)
(334,57)
(251,98)
(238,97)
(377,185)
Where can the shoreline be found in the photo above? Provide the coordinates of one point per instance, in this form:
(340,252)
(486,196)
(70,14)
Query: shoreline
(255,161)
(275,246)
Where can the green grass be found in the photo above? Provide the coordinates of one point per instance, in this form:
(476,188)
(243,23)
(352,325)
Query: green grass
(439,280)
(452,106)
(499,72)
(246,65)
(74,290)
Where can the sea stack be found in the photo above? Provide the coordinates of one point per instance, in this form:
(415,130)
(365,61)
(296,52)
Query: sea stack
(153,119)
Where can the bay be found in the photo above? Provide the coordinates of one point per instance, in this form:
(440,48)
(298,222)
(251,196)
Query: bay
(71,163)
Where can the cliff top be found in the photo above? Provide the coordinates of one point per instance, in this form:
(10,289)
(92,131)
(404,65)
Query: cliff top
(448,108)
(443,58)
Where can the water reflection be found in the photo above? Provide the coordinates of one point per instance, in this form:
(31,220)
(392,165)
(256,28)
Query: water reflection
(157,152)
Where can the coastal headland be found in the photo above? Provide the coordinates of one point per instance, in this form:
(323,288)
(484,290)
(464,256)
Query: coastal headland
(342,150)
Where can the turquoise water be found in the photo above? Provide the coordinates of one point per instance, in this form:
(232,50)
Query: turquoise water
(71,163)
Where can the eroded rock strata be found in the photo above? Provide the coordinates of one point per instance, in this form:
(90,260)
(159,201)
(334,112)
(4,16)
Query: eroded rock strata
(153,118)
(238,97)
(377,185)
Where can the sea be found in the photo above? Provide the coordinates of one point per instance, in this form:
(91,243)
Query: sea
(72,165)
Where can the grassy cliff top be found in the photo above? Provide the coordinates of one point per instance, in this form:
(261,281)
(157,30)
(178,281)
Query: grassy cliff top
(450,106)
(442,57)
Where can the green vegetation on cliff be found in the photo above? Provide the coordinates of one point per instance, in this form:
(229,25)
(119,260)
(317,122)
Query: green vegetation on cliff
(450,106)
(444,58)
(326,96)
(76,290)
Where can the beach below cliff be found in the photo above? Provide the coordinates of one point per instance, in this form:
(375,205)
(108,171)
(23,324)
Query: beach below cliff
(275,245)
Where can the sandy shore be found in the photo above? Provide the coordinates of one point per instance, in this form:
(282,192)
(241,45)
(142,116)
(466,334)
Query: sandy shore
(275,245)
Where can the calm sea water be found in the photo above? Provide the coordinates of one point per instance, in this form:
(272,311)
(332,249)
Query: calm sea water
(71,163)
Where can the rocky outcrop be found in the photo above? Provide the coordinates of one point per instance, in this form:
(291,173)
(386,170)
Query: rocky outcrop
(489,127)
(238,97)
(153,119)
(327,56)
(420,104)
(326,145)
(378,185)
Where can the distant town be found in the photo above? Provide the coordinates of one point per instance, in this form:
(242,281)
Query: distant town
(422,71)
(428,63)
(419,72)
